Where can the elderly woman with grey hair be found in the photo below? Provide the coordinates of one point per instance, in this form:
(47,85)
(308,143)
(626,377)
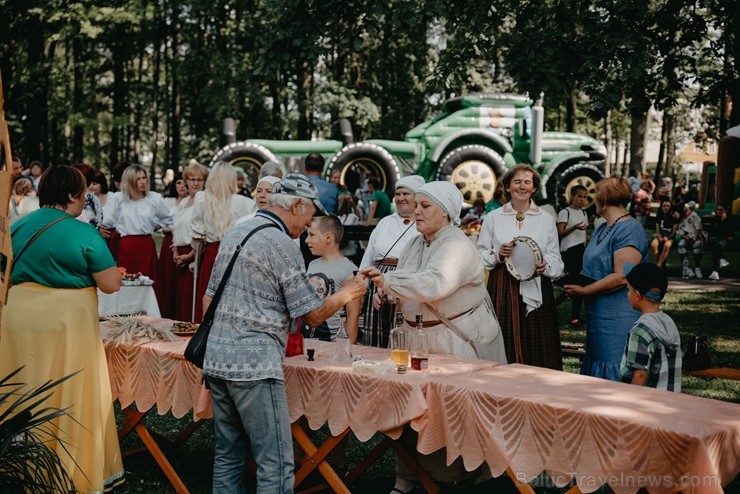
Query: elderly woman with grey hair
(441,277)
(386,242)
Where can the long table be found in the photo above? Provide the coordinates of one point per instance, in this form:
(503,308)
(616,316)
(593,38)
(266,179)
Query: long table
(528,420)
(518,419)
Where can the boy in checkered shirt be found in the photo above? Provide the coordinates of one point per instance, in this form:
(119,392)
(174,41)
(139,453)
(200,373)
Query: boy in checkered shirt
(652,356)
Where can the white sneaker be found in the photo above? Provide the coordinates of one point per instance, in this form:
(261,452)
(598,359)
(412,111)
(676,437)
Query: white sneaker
(690,274)
(714,276)
(723,263)
(698,273)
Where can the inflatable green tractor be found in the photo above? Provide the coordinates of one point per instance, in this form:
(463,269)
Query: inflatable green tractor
(472,143)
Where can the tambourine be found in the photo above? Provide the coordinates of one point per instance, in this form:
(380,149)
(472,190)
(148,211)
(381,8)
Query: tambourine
(524,258)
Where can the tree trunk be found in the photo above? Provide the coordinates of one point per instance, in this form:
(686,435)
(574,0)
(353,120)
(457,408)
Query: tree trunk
(175,100)
(78,131)
(670,145)
(638,125)
(661,152)
(571,109)
(608,142)
(303,101)
(36,123)
(119,96)
(159,45)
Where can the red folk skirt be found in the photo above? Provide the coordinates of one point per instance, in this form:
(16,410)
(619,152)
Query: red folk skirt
(167,283)
(138,254)
(184,281)
(204,275)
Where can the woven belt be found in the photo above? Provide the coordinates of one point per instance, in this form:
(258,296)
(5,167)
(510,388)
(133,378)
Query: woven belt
(429,324)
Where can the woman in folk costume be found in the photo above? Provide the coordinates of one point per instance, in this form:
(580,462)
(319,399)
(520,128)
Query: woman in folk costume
(183,256)
(177,194)
(440,276)
(386,242)
(525,309)
(59,271)
(215,211)
(137,214)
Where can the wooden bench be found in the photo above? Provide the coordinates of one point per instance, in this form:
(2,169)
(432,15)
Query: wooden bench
(719,372)
(569,349)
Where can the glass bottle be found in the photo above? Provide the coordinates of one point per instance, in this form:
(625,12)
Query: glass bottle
(419,346)
(399,344)
(344,346)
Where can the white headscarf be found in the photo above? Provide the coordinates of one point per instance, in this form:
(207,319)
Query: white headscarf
(446,196)
(412,182)
(269,179)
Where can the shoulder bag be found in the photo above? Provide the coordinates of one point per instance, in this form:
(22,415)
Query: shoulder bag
(697,355)
(195,352)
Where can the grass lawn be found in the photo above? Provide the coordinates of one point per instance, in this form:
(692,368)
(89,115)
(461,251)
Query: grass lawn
(709,308)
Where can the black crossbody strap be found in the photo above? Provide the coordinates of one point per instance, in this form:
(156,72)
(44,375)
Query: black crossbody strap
(38,233)
(211,312)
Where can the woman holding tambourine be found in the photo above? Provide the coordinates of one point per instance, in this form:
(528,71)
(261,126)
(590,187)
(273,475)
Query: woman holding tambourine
(519,244)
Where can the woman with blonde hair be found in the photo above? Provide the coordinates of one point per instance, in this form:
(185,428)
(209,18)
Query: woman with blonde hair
(211,221)
(137,213)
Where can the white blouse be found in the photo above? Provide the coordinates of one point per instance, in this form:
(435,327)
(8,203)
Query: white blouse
(387,232)
(140,217)
(500,226)
(182,229)
(240,206)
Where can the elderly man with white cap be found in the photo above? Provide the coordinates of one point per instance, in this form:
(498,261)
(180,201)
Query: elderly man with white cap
(441,277)
(383,249)
(266,290)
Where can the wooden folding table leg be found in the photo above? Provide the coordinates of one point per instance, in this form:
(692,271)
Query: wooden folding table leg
(161,459)
(521,486)
(317,459)
(133,418)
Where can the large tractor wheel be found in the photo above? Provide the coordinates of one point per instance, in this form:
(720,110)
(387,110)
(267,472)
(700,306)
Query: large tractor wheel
(357,160)
(247,156)
(474,169)
(580,174)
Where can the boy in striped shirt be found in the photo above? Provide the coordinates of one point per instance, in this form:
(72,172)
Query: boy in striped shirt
(652,356)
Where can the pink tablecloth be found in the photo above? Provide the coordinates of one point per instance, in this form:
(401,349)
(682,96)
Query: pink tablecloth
(593,430)
(156,373)
(326,392)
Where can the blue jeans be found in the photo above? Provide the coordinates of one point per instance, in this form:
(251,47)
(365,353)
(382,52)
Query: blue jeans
(254,412)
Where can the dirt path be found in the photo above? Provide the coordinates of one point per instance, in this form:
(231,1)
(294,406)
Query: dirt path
(704,284)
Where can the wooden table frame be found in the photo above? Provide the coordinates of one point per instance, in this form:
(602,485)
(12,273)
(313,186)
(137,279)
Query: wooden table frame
(151,440)
(315,459)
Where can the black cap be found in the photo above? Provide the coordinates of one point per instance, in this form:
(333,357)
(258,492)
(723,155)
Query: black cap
(648,279)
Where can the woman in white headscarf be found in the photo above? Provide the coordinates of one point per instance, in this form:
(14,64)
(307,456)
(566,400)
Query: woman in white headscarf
(383,248)
(526,309)
(440,274)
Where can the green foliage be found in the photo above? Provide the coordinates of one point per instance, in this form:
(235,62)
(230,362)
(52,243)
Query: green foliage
(102,82)
(26,462)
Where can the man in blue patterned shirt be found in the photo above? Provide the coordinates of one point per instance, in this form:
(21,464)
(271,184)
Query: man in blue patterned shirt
(652,356)
(267,289)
